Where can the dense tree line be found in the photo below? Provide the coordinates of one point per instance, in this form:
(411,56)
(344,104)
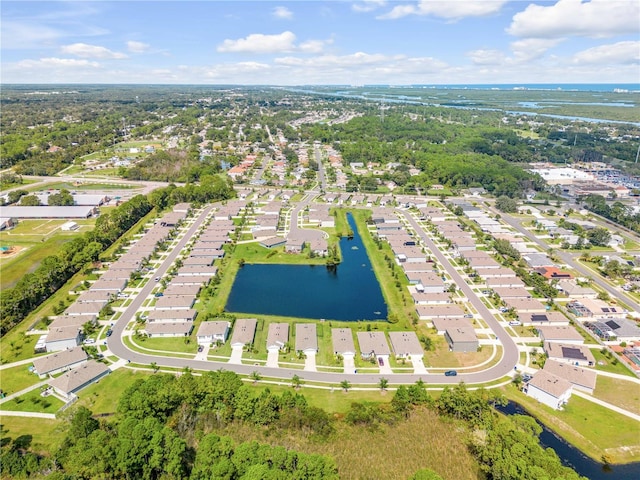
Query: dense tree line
(54,271)
(617,212)
(167,426)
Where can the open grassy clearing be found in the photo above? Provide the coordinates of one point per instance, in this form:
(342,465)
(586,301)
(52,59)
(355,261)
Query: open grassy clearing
(423,441)
(595,430)
(17,378)
(255,253)
(33,402)
(45,434)
(621,393)
(607,365)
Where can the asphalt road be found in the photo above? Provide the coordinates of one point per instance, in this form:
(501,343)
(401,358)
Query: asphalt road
(505,366)
(568,259)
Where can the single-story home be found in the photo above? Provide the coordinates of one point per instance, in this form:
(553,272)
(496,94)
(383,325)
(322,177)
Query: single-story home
(244,329)
(373,344)
(211,332)
(548,389)
(342,339)
(59,361)
(277,336)
(306,338)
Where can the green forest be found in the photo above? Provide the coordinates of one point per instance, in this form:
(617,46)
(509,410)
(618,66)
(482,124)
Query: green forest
(182,427)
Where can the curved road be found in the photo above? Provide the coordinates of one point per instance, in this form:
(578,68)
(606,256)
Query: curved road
(504,367)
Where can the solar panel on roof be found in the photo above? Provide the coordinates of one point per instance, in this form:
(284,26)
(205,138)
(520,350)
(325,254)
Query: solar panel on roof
(539,318)
(612,324)
(605,309)
(573,352)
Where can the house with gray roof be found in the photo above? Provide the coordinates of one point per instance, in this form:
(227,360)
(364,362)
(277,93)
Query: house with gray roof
(306,338)
(171,316)
(373,344)
(59,361)
(342,340)
(548,389)
(581,378)
(277,336)
(579,355)
(67,384)
(175,302)
(550,317)
(462,339)
(168,329)
(405,344)
(562,334)
(61,338)
(429,312)
(244,330)
(212,332)
(83,309)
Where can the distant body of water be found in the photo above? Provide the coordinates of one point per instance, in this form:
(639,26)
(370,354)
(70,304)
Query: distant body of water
(574,458)
(351,292)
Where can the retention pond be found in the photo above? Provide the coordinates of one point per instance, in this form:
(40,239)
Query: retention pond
(350,292)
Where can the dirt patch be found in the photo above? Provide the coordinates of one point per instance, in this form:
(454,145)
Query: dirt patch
(11,252)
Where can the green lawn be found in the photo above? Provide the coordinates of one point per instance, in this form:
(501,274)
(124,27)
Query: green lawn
(608,365)
(594,429)
(33,402)
(45,434)
(17,378)
(102,396)
(621,393)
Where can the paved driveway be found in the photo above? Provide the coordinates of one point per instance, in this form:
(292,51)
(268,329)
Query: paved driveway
(272,358)
(418,366)
(310,362)
(236,355)
(349,364)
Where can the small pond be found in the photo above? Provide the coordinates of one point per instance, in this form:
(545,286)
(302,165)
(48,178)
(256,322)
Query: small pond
(349,292)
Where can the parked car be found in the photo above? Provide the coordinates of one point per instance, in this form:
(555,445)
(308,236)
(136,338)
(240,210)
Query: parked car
(89,341)
(380,361)
(468,315)
(200,348)
(451,373)
(157,279)
(159,294)
(109,332)
(515,323)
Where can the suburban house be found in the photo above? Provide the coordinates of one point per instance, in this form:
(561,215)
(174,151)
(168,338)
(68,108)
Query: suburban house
(306,338)
(548,389)
(373,344)
(512,292)
(462,339)
(59,361)
(244,330)
(572,290)
(568,353)
(429,312)
(168,329)
(526,305)
(561,334)
(62,338)
(277,336)
(174,302)
(547,318)
(67,384)
(273,242)
(342,339)
(581,378)
(212,332)
(406,345)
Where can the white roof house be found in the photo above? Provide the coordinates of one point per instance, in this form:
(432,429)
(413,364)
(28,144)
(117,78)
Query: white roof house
(549,389)
(210,332)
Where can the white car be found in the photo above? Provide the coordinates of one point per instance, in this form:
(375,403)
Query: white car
(89,341)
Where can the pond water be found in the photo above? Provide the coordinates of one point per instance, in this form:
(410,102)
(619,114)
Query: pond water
(574,458)
(350,292)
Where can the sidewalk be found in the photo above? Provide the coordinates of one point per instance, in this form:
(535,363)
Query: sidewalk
(23,391)
(9,413)
(607,405)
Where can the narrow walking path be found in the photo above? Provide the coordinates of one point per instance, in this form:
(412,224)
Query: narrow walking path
(23,391)
(621,411)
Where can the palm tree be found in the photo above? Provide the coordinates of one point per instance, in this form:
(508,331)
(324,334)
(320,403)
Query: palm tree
(155,367)
(345,385)
(383,384)
(255,376)
(296,382)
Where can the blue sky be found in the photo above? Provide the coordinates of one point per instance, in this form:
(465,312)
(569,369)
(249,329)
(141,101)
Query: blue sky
(321,42)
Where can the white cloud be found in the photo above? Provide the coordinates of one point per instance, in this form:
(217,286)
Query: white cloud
(487,57)
(137,47)
(531,48)
(449,10)
(368,5)
(84,50)
(284,42)
(597,18)
(57,62)
(617,53)
(283,13)
(260,43)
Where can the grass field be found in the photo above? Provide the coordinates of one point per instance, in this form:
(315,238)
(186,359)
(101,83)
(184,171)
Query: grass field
(621,393)
(45,434)
(595,430)
(33,402)
(17,378)
(607,365)
(102,397)
(388,452)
